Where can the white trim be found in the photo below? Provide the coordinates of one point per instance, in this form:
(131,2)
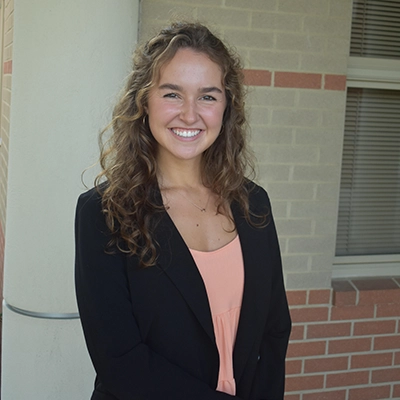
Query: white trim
(366,266)
(373,69)
(374,73)
(359,83)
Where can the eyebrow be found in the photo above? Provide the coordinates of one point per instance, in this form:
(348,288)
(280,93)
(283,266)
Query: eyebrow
(178,88)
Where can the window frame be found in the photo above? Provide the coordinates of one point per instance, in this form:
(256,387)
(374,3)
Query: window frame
(372,73)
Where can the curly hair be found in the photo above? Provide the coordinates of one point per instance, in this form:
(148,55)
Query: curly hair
(128,157)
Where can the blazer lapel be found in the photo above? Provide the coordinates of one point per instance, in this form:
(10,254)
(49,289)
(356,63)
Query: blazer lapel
(178,264)
(255,296)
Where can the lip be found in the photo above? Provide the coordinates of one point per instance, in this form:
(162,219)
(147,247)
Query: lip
(186,134)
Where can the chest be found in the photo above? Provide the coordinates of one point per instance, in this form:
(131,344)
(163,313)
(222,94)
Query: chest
(203,231)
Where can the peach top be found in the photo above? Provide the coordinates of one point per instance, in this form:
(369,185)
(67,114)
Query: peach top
(223,275)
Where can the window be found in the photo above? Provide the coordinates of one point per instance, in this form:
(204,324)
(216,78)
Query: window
(368,235)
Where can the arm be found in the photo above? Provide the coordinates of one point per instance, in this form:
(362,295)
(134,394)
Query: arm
(271,369)
(128,369)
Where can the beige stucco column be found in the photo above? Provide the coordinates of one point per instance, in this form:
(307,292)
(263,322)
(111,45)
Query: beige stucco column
(70,58)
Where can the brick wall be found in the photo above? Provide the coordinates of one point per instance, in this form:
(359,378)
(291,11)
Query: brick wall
(7,26)
(345,343)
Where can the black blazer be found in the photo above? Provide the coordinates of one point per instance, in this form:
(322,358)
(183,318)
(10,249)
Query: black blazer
(149,331)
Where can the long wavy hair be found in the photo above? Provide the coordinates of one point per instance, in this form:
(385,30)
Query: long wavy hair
(130,193)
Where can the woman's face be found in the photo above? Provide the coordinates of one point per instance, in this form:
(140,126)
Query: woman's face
(186,106)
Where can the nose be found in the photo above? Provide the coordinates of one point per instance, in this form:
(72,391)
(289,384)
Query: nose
(189,112)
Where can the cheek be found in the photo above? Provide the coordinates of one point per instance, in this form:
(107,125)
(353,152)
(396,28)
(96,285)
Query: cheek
(215,116)
(164,112)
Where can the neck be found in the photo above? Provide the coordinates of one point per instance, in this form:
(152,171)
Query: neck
(179,174)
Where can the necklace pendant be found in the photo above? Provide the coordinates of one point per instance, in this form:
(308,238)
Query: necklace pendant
(202,209)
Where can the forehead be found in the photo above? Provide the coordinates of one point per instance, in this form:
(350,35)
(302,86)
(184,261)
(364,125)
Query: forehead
(190,65)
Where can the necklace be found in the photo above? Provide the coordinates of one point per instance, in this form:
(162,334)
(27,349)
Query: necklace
(202,209)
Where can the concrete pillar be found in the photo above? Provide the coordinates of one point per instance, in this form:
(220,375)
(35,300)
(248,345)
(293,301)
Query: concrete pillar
(69,62)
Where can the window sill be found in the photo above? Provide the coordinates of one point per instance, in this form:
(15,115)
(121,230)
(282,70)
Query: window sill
(366,291)
(360,267)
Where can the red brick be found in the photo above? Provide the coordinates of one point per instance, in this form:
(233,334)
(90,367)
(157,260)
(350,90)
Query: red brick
(396,392)
(388,310)
(257,77)
(293,367)
(328,330)
(370,393)
(295,384)
(292,397)
(309,314)
(7,67)
(326,364)
(335,82)
(297,80)
(372,284)
(397,359)
(377,291)
(374,327)
(379,296)
(297,332)
(347,379)
(344,293)
(341,299)
(349,345)
(319,296)
(303,349)
(296,297)
(352,312)
(371,360)
(387,342)
(386,375)
(332,395)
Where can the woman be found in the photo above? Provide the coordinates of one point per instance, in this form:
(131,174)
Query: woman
(178,271)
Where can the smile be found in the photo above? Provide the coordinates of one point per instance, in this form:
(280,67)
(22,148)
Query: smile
(186,133)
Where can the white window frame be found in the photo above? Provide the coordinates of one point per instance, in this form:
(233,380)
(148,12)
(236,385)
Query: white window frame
(373,73)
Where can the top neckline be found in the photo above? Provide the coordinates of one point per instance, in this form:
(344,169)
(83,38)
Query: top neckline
(224,247)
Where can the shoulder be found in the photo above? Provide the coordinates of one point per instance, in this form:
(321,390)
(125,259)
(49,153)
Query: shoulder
(90,198)
(258,198)
(90,202)
(89,209)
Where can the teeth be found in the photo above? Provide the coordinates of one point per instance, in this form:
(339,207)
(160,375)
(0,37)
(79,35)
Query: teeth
(186,133)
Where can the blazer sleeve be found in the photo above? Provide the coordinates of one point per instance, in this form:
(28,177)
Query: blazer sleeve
(271,366)
(126,367)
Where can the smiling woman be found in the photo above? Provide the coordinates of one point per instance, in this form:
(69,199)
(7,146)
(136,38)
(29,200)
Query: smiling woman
(178,270)
(186,108)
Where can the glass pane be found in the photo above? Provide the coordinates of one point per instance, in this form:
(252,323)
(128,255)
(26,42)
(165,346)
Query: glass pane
(376,29)
(369,206)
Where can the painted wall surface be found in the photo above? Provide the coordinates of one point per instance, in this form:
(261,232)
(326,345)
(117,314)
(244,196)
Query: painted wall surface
(6,40)
(69,61)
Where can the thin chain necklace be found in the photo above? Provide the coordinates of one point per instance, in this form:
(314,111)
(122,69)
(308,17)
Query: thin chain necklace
(202,209)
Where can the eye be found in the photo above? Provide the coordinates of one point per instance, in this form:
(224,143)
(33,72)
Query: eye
(207,97)
(171,96)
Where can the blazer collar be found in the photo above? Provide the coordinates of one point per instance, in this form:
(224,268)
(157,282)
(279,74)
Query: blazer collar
(177,262)
(175,259)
